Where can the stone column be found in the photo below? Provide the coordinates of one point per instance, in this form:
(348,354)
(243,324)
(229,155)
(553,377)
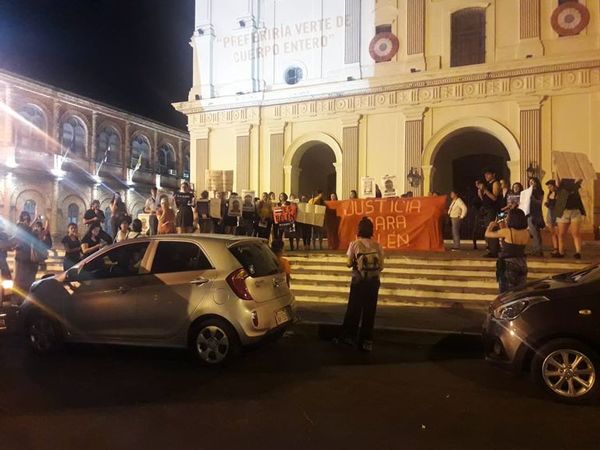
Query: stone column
(55,128)
(352,41)
(276,153)
(413,145)
(530,136)
(8,137)
(180,158)
(242,161)
(199,158)
(93,147)
(203,44)
(415,33)
(349,163)
(529,29)
(126,150)
(154,152)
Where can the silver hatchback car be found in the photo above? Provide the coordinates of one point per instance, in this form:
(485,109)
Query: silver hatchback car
(213,294)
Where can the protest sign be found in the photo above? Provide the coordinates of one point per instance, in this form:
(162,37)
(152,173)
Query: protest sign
(235,206)
(215,208)
(525,200)
(398,223)
(219,180)
(248,201)
(284,215)
(311,214)
(389,186)
(367,185)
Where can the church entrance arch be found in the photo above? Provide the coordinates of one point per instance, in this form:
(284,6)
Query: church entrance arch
(313,163)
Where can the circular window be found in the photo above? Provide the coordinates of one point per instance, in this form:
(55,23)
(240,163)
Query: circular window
(293,75)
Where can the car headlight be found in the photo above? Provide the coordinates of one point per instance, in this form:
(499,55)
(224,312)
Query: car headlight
(513,309)
(7,285)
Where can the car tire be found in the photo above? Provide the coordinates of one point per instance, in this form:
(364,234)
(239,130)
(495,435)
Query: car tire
(214,342)
(567,370)
(43,334)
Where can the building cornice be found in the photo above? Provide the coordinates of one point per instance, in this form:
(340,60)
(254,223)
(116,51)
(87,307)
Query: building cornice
(68,98)
(425,90)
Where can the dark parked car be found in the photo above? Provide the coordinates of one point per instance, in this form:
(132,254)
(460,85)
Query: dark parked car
(552,328)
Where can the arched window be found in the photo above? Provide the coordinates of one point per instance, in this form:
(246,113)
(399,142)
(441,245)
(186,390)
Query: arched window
(30,206)
(109,146)
(186,166)
(73,137)
(73,214)
(166,160)
(468,37)
(140,152)
(30,135)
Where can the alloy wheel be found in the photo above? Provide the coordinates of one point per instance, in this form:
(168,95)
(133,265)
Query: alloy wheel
(42,335)
(212,344)
(568,373)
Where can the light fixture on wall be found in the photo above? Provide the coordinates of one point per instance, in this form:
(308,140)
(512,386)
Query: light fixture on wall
(414,177)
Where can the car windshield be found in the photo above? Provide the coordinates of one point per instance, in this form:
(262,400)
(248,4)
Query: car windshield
(257,258)
(587,274)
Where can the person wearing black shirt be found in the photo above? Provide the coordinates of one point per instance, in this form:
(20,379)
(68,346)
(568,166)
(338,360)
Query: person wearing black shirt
(184,200)
(488,192)
(118,211)
(6,244)
(72,246)
(94,216)
(569,212)
(92,241)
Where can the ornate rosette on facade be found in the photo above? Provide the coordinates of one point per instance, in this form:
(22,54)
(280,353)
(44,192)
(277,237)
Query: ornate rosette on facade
(384,46)
(570,19)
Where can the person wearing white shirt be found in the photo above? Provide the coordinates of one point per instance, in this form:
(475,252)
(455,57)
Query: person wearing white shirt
(457,212)
(152,204)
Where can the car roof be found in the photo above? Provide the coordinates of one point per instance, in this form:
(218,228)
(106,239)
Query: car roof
(206,237)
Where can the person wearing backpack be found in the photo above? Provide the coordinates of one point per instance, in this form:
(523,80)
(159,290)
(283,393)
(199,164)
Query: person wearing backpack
(365,257)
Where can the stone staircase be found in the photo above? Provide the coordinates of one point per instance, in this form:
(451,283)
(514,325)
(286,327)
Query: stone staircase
(433,280)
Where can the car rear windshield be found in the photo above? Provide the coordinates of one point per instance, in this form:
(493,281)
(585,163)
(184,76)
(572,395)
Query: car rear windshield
(257,258)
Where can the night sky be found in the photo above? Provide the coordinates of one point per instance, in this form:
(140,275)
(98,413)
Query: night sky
(131,54)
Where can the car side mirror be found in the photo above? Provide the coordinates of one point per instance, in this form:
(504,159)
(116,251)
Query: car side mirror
(72,275)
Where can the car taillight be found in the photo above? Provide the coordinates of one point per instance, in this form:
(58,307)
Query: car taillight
(237,283)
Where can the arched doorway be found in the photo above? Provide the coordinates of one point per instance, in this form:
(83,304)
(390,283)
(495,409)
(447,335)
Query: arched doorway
(311,162)
(316,170)
(462,157)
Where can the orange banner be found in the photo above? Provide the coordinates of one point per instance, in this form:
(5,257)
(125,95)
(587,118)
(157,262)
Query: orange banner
(398,223)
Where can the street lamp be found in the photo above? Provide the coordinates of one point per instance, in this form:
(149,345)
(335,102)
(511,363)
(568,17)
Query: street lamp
(414,177)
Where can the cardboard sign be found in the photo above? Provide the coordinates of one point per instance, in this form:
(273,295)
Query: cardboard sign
(145,219)
(367,185)
(248,201)
(285,215)
(215,208)
(235,206)
(311,214)
(525,200)
(388,184)
(219,180)
(398,223)
(203,208)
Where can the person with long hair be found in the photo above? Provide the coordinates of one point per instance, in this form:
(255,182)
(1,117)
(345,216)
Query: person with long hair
(569,211)
(551,216)
(365,257)
(92,241)
(166,217)
(535,219)
(265,216)
(184,201)
(511,266)
(72,246)
(118,211)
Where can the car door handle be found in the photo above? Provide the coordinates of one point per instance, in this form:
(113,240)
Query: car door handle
(123,290)
(585,312)
(199,281)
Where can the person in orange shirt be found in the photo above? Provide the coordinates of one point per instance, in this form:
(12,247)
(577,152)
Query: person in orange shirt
(284,264)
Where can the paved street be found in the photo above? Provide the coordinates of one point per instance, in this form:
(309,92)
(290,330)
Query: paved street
(415,391)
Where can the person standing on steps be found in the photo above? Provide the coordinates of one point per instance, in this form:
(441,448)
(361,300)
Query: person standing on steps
(152,204)
(365,257)
(569,212)
(489,192)
(457,213)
